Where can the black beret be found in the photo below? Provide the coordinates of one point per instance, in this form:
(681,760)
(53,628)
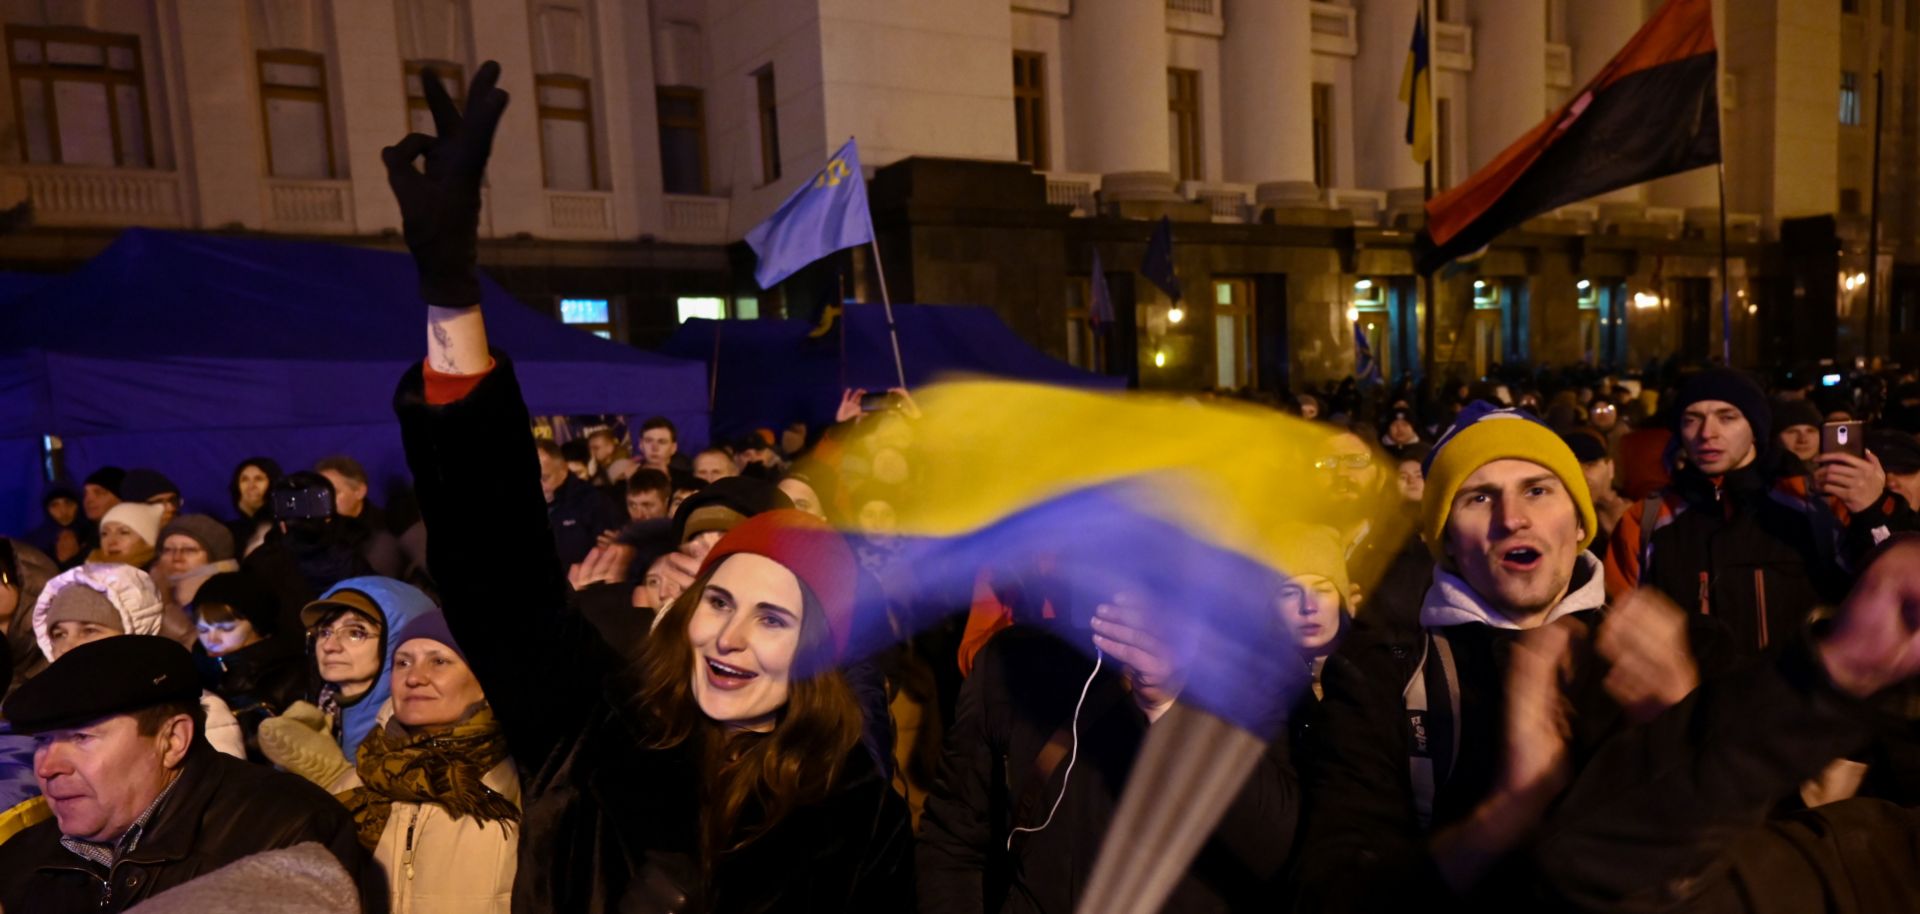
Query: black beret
(743,495)
(1898,451)
(1587,447)
(117,675)
(143,484)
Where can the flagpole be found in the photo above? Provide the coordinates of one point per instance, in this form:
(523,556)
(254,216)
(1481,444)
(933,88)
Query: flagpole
(1426,276)
(713,373)
(1726,278)
(886,303)
(1873,210)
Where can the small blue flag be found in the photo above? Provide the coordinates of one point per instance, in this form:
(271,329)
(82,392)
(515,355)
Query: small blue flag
(1100,308)
(1364,367)
(826,214)
(1157,266)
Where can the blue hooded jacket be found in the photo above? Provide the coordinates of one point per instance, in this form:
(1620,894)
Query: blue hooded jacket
(401,603)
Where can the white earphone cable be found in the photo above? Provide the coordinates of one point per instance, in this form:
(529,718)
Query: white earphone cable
(1072,755)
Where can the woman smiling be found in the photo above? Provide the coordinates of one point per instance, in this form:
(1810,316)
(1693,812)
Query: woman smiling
(722,771)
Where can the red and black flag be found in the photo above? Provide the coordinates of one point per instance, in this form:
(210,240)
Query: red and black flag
(1652,111)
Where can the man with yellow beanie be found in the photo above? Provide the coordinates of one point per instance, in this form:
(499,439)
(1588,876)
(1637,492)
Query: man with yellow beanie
(1419,782)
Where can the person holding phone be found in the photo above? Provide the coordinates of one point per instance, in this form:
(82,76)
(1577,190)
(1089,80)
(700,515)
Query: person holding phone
(1735,536)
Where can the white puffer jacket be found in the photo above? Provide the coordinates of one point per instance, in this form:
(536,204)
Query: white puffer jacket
(436,864)
(131,591)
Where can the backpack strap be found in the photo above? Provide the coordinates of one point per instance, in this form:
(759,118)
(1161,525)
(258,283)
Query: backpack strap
(1432,697)
(1649,516)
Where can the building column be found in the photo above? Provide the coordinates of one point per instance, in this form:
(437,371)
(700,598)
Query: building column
(1266,96)
(372,100)
(1117,102)
(1596,31)
(1507,90)
(516,177)
(217,99)
(1381,156)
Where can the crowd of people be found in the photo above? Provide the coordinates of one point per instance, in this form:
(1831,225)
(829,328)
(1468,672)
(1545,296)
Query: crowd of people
(1581,643)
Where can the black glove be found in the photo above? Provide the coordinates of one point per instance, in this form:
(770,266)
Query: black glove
(440,210)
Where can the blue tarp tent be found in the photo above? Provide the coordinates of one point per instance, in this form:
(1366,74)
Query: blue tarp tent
(772,372)
(188,353)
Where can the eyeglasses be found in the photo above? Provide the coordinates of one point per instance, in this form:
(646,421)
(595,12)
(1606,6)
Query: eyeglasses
(353,634)
(1344,461)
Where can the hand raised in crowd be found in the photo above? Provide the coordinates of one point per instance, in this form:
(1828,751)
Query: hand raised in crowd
(1535,765)
(605,564)
(1874,642)
(1123,630)
(440,207)
(907,407)
(1644,639)
(1857,482)
(849,410)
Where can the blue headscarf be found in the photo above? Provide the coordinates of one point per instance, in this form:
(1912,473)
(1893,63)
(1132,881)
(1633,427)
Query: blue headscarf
(400,603)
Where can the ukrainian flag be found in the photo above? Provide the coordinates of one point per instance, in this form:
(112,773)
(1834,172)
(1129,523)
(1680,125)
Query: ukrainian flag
(1193,510)
(1416,89)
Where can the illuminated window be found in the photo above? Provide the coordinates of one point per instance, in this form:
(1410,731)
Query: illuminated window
(1233,334)
(594,315)
(1850,98)
(712,309)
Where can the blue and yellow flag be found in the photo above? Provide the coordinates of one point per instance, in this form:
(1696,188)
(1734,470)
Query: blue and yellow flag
(1416,89)
(1203,521)
(825,215)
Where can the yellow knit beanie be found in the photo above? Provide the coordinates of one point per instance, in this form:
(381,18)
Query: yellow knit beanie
(1480,436)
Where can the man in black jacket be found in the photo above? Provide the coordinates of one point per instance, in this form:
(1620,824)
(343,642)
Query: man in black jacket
(1417,794)
(1011,826)
(140,802)
(1736,536)
(1674,815)
(578,512)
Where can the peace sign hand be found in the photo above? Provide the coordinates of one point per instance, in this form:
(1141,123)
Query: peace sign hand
(440,208)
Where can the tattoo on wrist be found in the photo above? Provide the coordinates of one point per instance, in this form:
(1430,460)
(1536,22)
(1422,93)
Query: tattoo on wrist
(443,346)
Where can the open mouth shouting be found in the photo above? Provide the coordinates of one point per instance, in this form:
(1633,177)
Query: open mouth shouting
(1520,558)
(726,676)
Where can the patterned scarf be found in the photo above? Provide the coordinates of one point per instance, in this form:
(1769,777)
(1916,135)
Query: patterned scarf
(441,767)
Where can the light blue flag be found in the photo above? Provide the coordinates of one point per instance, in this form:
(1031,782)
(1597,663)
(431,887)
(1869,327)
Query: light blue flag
(1364,366)
(826,214)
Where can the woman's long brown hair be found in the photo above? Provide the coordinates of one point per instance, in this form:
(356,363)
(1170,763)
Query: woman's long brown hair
(772,773)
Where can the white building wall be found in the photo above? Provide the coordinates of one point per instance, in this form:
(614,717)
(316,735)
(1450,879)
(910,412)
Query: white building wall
(1200,53)
(1039,33)
(928,79)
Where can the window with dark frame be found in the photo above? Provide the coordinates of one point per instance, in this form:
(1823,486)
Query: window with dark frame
(1030,108)
(567,147)
(1442,144)
(295,113)
(1183,123)
(1850,98)
(1323,135)
(683,139)
(79,97)
(452,78)
(769,124)
(1234,335)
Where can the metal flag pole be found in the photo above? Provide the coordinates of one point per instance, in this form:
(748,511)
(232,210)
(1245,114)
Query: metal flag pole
(1726,278)
(1426,276)
(1873,213)
(886,303)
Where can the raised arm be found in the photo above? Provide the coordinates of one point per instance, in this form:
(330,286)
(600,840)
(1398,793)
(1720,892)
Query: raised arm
(469,444)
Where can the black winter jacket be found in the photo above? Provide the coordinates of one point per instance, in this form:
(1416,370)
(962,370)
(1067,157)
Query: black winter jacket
(1672,815)
(607,823)
(1023,688)
(220,810)
(257,682)
(1362,847)
(1742,555)
(578,515)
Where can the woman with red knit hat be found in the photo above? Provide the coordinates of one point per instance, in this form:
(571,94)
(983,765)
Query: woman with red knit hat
(720,771)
